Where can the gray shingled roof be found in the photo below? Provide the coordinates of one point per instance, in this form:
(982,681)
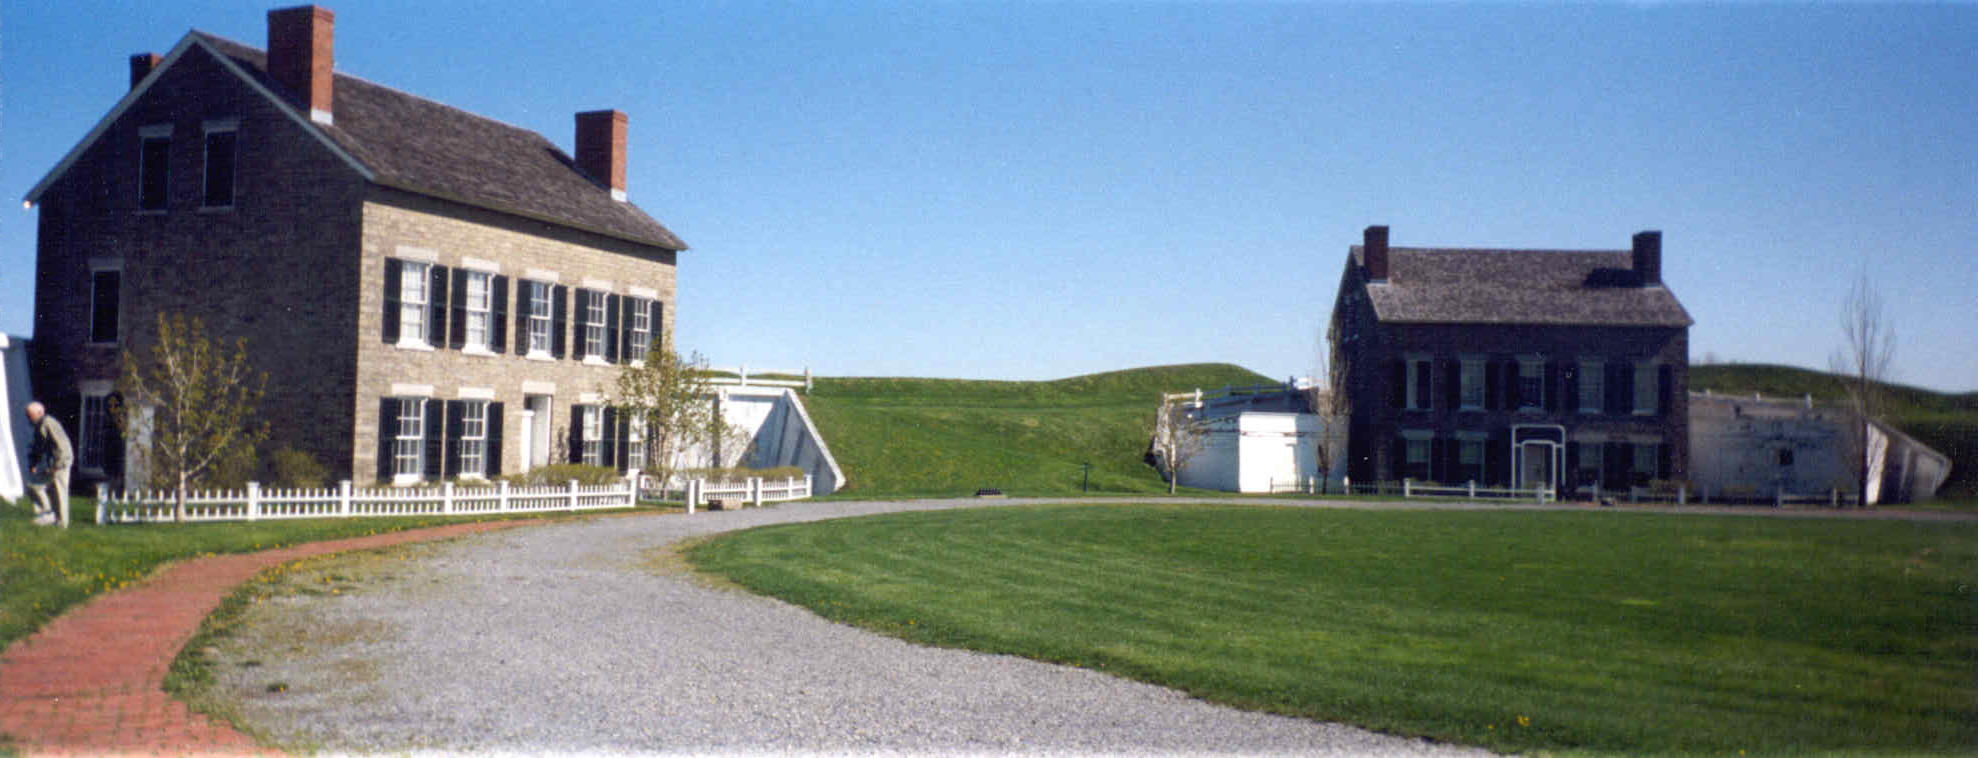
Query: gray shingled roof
(1560,287)
(421,146)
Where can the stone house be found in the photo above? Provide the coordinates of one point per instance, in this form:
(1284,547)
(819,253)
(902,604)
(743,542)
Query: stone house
(1526,368)
(431,293)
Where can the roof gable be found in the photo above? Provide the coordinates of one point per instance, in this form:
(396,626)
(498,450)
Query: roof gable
(1548,287)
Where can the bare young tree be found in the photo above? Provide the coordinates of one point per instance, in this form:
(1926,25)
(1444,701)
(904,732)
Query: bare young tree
(670,395)
(1330,402)
(1863,366)
(195,404)
(1178,436)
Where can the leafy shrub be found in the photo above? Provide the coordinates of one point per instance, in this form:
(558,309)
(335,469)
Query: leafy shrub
(290,468)
(562,473)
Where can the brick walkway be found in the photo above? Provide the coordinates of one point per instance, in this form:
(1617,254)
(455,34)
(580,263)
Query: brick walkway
(90,683)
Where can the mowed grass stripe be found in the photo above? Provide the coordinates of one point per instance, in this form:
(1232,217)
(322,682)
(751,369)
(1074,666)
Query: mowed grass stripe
(1606,632)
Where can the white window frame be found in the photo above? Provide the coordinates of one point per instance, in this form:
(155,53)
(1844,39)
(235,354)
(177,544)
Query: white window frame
(641,341)
(1531,370)
(540,320)
(1418,447)
(1593,385)
(1647,391)
(409,447)
(1471,380)
(473,439)
(88,438)
(414,298)
(593,453)
(1415,375)
(480,309)
(227,126)
(1651,453)
(594,324)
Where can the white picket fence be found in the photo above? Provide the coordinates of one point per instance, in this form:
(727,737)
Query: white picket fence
(345,501)
(1469,490)
(752,491)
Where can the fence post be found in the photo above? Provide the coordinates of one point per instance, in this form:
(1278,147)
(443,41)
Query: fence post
(1683,494)
(253,501)
(1779,498)
(573,496)
(810,488)
(693,492)
(1346,485)
(1473,489)
(343,498)
(755,491)
(806,380)
(1833,497)
(102,497)
(501,497)
(446,498)
(1407,487)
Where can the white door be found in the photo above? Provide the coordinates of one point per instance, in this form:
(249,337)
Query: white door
(1535,466)
(528,437)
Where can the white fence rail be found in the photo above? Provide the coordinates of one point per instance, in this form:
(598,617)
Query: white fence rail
(345,501)
(751,491)
(741,377)
(1467,490)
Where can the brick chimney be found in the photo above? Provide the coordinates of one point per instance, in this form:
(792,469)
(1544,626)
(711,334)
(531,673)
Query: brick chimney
(601,148)
(1648,258)
(1374,252)
(140,67)
(300,46)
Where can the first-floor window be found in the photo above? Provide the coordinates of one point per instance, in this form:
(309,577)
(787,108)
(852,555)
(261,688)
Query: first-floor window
(1469,459)
(409,448)
(1590,462)
(1417,459)
(635,443)
(593,436)
(93,445)
(1645,463)
(474,438)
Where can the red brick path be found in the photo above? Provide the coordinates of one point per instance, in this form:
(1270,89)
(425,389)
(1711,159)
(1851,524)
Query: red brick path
(90,683)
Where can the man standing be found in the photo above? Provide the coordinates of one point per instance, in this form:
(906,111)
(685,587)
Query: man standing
(48,458)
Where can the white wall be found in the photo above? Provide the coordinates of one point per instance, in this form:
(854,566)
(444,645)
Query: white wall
(15,434)
(780,433)
(1255,451)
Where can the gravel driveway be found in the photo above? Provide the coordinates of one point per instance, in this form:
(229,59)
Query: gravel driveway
(560,639)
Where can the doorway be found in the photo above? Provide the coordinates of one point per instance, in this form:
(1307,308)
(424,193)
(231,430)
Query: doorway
(535,430)
(1535,467)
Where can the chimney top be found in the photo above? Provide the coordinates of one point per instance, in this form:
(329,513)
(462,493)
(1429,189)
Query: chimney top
(1373,251)
(1648,258)
(301,52)
(601,148)
(140,67)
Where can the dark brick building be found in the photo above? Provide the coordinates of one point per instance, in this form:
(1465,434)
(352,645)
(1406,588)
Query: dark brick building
(1512,367)
(432,293)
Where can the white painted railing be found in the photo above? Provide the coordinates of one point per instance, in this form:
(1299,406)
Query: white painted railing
(345,501)
(741,377)
(1467,490)
(752,491)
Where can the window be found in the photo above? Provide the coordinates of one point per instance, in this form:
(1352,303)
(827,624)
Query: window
(92,446)
(593,303)
(1419,392)
(1472,381)
(635,443)
(1646,389)
(1593,392)
(409,447)
(474,438)
(539,317)
(220,148)
(1417,459)
(479,305)
(593,439)
(153,161)
(1531,384)
(1645,460)
(1785,456)
(413,296)
(1469,459)
(105,292)
(1590,462)
(635,351)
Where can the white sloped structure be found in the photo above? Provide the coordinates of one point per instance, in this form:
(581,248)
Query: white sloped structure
(772,429)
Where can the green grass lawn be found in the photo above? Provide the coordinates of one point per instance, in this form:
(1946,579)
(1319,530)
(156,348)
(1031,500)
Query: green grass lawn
(918,437)
(1596,632)
(45,570)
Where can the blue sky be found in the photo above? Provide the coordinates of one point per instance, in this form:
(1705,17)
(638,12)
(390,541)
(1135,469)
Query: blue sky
(1033,190)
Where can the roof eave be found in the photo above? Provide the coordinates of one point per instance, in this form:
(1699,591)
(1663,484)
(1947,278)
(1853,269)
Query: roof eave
(519,213)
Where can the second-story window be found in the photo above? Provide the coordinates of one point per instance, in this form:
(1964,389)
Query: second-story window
(413,297)
(105,301)
(539,317)
(221,144)
(641,329)
(478,304)
(1420,394)
(593,303)
(1593,389)
(1531,384)
(1646,389)
(153,166)
(1472,382)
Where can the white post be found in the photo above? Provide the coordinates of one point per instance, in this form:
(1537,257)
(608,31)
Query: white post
(693,493)
(1834,497)
(806,380)
(253,501)
(1683,494)
(1346,485)
(1407,487)
(501,497)
(810,488)
(755,490)
(573,495)
(1473,489)
(343,498)
(1779,498)
(743,370)
(446,498)
(102,497)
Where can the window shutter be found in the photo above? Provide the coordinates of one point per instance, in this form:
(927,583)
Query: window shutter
(1572,473)
(498,314)
(624,443)
(1615,460)
(387,433)
(1397,390)
(494,440)
(436,307)
(1424,385)
(559,319)
(456,335)
(1497,459)
(1663,465)
(608,437)
(1452,385)
(581,318)
(522,288)
(1399,455)
(577,433)
(1569,400)
(392,274)
(435,441)
(113,442)
(1620,386)
(1493,386)
(455,415)
(1438,459)
(1665,385)
(658,323)
(612,326)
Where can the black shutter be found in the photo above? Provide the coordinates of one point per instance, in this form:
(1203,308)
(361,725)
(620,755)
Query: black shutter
(522,289)
(1493,386)
(387,436)
(658,322)
(435,442)
(1571,476)
(113,439)
(494,440)
(436,306)
(624,443)
(1397,389)
(1424,385)
(559,319)
(1513,374)
(1614,462)
(1570,390)
(1439,460)
(1497,460)
(1620,387)
(392,274)
(577,433)
(1452,380)
(612,328)
(498,314)
(1665,384)
(1400,454)
(455,416)
(608,439)
(1663,466)
(456,335)
(581,319)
